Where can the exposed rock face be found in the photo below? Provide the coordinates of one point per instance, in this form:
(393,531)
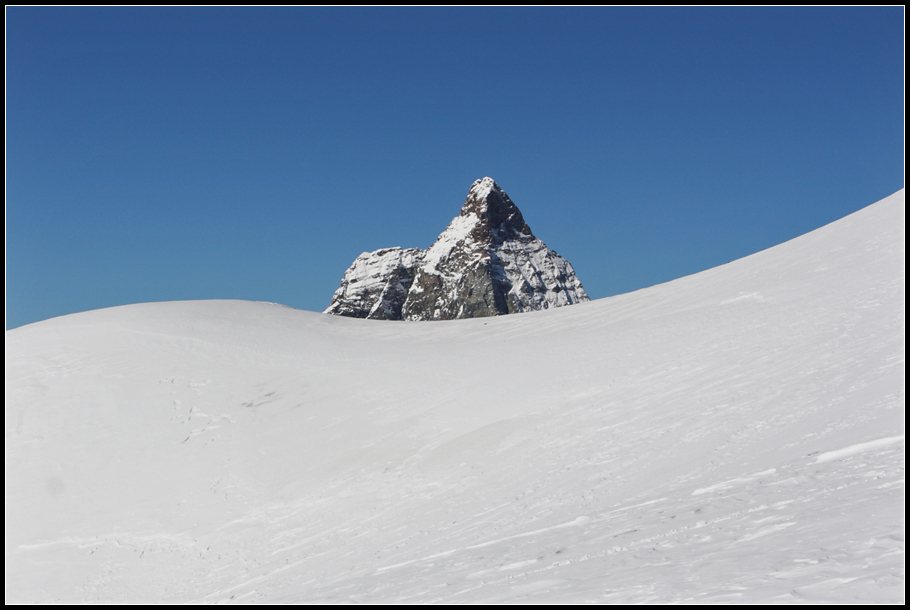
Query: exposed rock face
(486,263)
(377,284)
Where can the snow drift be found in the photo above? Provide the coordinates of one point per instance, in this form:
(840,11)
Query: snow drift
(735,435)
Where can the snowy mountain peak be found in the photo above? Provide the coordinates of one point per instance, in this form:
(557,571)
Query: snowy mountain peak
(496,214)
(482,186)
(486,263)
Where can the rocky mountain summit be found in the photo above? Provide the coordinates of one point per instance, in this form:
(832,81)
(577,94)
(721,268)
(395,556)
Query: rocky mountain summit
(486,263)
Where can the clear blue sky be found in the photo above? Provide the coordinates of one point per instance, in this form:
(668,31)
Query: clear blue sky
(159,154)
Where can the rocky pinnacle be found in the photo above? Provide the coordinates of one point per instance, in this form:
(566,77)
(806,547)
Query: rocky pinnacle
(486,263)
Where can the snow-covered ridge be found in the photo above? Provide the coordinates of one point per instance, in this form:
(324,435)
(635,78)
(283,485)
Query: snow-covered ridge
(481,188)
(487,262)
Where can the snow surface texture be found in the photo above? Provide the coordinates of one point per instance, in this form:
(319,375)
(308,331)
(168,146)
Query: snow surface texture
(731,436)
(486,263)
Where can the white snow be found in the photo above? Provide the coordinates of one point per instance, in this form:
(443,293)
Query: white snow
(731,436)
(481,187)
(858,448)
(456,236)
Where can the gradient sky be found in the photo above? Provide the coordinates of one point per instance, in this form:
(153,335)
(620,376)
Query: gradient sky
(158,154)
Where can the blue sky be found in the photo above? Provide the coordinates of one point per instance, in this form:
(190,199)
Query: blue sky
(158,154)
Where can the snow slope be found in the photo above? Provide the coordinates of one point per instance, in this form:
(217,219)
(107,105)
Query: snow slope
(731,436)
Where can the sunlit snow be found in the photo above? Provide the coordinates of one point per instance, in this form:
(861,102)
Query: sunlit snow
(731,436)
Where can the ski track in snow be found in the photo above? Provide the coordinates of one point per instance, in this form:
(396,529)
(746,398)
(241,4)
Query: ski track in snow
(732,436)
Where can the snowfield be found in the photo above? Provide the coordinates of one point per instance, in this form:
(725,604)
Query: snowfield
(731,436)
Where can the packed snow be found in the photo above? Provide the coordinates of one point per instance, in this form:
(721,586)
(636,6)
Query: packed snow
(732,436)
